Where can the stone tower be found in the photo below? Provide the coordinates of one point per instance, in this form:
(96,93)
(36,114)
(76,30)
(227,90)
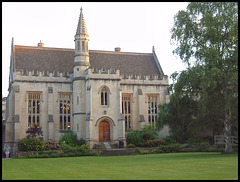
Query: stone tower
(81,63)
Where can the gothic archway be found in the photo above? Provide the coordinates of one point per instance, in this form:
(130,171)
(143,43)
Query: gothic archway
(104,131)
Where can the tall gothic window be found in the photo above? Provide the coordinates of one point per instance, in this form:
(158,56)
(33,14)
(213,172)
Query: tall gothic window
(33,109)
(104,96)
(65,111)
(126,110)
(152,109)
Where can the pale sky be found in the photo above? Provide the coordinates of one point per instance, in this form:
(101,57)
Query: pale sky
(133,26)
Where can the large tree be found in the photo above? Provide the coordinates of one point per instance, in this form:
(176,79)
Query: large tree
(182,112)
(206,35)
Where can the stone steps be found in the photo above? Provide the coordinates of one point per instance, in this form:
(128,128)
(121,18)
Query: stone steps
(108,149)
(107,146)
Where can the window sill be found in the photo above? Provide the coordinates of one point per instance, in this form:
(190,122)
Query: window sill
(104,106)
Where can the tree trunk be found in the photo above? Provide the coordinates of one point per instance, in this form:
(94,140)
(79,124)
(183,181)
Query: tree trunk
(227,122)
(227,134)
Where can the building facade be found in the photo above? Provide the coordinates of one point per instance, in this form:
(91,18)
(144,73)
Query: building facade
(100,95)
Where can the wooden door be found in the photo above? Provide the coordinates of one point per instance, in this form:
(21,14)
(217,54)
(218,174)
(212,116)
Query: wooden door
(104,131)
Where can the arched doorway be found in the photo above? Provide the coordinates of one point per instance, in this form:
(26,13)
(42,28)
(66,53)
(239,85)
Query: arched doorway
(104,131)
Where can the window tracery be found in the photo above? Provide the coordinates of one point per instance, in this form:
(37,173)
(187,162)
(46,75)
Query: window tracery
(65,111)
(33,109)
(152,109)
(104,96)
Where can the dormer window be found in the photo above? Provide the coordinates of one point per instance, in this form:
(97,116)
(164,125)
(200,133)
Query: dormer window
(104,96)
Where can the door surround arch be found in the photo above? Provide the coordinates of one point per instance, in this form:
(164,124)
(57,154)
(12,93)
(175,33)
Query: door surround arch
(105,124)
(107,119)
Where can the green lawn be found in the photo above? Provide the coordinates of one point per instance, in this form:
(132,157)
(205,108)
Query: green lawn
(190,166)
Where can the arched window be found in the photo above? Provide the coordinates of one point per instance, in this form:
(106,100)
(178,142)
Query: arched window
(104,96)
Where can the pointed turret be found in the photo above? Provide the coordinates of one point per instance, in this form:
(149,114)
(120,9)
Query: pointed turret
(81,28)
(81,64)
(81,37)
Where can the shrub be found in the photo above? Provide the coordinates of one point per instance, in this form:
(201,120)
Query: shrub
(69,138)
(84,148)
(54,155)
(70,154)
(169,148)
(31,144)
(169,140)
(67,148)
(149,133)
(43,156)
(235,148)
(131,146)
(139,151)
(154,143)
(52,144)
(136,138)
(197,146)
(81,142)
(75,149)
(204,146)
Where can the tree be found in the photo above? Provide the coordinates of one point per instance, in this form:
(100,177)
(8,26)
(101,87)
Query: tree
(206,35)
(34,132)
(181,113)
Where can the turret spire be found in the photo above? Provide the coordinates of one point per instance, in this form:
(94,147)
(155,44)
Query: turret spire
(81,42)
(81,28)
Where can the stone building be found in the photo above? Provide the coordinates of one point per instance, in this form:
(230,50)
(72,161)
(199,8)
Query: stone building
(98,94)
(3,118)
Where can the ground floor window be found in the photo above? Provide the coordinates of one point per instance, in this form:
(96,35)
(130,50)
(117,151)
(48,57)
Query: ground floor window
(152,109)
(34,109)
(127,110)
(65,111)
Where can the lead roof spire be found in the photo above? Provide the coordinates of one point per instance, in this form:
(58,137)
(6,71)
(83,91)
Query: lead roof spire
(81,28)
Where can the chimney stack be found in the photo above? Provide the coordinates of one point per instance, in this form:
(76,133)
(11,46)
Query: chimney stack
(40,44)
(117,49)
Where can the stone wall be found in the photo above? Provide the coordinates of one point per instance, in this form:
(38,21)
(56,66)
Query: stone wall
(87,112)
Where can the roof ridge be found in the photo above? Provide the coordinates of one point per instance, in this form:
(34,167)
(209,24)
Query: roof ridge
(97,51)
(114,52)
(45,48)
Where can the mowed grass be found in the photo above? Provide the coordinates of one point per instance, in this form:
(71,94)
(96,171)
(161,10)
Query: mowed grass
(170,166)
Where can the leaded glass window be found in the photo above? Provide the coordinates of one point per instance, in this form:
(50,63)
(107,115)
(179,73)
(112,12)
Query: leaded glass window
(34,109)
(65,111)
(127,110)
(152,109)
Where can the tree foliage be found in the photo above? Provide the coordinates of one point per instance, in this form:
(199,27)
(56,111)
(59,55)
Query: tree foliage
(206,36)
(182,112)
(34,132)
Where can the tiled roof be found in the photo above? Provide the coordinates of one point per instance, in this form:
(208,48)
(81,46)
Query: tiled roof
(43,59)
(128,63)
(61,59)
